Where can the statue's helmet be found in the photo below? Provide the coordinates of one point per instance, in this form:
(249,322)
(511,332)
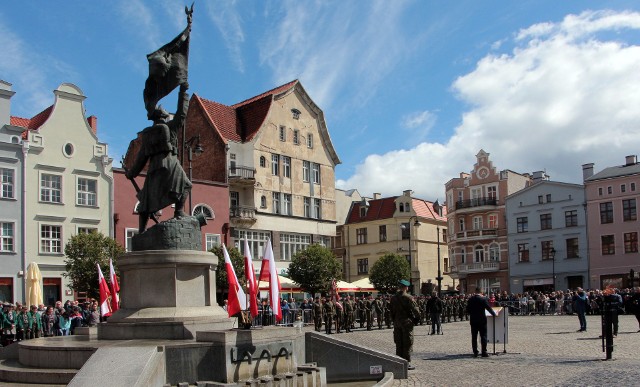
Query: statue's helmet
(158,113)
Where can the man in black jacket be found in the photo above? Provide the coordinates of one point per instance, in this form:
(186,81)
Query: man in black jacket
(476,306)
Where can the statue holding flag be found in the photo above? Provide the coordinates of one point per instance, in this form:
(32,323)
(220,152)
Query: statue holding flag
(166,182)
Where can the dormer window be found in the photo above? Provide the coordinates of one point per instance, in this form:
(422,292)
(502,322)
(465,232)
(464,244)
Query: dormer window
(295,113)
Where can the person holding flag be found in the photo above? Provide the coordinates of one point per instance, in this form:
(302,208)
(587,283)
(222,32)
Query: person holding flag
(105,294)
(252,284)
(237,298)
(269,274)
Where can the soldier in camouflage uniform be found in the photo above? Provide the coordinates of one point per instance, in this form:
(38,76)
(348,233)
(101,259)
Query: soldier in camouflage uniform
(339,316)
(329,312)
(387,311)
(405,314)
(348,313)
(379,308)
(368,309)
(361,311)
(317,314)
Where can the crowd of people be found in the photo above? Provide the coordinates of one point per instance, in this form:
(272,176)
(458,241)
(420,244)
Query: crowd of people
(19,322)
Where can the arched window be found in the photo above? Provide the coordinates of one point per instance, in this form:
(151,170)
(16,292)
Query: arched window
(401,209)
(494,252)
(263,201)
(263,162)
(407,208)
(478,253)
(204,210)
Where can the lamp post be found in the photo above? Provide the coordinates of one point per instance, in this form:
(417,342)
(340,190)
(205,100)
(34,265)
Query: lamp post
(552,253)
(197,149)
(439,277)
(416,224)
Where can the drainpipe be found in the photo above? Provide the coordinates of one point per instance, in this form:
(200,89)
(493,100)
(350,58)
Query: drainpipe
(23,217)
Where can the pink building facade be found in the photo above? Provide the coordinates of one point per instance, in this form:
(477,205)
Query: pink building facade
(612,197)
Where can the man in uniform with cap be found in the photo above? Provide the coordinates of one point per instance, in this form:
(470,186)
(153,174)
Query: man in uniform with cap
(317,314)
(405,314)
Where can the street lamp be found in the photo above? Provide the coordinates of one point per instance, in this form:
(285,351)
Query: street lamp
(416,224)
(552,253)
(197,149)
(439,277)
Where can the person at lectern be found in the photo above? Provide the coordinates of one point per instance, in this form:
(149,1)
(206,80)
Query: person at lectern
(476,306)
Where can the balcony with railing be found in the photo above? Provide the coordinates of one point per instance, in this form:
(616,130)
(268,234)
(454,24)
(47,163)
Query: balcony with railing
(477,234)
(242,213)
(241,174)
(477,202)
(478,267)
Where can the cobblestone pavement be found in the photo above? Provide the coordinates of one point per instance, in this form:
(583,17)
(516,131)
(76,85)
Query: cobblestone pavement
(542,351)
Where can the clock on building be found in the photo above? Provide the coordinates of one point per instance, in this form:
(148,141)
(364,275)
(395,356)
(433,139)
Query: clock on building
(482,172)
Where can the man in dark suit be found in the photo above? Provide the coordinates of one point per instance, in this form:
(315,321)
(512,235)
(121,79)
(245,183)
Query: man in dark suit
(476,306)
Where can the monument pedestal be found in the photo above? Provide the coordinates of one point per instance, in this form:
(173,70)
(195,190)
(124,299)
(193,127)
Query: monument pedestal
(166,294)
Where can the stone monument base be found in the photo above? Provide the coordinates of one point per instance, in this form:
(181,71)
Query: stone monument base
(166,294)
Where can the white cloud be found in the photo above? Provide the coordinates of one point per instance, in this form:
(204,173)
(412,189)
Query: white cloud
(561,98)
(418,124)
(141,22)
(228,21)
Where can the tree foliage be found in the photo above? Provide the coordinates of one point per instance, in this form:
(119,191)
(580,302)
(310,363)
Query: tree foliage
(314,268)
(388,271)
(83,252)
(237,261)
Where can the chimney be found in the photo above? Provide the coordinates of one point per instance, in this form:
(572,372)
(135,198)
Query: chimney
(587,171)
(539,176)
(407,192)
(631,160)
(5,103)
(93,123)
(376,195)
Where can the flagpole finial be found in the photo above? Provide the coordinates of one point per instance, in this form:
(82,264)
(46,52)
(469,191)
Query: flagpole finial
(189,13)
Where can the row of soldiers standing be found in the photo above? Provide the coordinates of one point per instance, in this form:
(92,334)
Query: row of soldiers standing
(342,313)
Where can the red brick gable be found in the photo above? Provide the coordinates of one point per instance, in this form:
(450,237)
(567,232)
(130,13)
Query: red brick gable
(32,123)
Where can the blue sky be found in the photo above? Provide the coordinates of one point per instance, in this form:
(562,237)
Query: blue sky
(411,90)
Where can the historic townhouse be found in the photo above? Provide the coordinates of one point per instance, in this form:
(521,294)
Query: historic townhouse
(612,198)
(478,244)
(547,234)
(12,255)
(67,186)
(412,227)
(275,153)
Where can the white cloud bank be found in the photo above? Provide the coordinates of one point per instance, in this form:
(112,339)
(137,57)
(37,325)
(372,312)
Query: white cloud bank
(568,94)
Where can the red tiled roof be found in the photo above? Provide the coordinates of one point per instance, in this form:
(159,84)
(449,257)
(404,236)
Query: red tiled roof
(242,121)
(32,123)
(385,208)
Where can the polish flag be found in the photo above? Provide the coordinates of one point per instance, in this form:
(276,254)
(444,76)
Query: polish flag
(115,288)
(105,294)
(268,273)
(237,299)
(251,280)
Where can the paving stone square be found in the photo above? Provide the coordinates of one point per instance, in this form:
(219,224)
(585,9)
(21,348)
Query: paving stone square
(542,351)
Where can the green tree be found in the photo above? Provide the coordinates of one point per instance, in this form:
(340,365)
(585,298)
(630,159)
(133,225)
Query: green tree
(388,271)
(237,261)
(314,268)
(83,252)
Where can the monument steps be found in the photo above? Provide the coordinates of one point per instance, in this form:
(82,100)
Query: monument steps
(12,371)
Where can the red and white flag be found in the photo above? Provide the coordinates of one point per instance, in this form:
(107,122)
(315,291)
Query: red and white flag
(251,280)
(269,273)
(237,299)
(105,294)
(115,288)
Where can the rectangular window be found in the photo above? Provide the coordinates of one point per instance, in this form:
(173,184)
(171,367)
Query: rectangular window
(545,221)
(361,236)
(547,249)
(623,188)
(87,230)
(548,198)
(363,265)
(50,188)
(629,210)
(383,233)
(6,238)
(477,222)
(234,197)
(8,183)
(211,241)
(306,173)
(461,224)
(571,218)
(609,190)
(631,242)
(316,173)
(493,221)
(130,233)
(540,199)
(317,209)
(309,140)
(87,192)
(572,247)
(606,212)
(286,209)
(276,202)
(633,187)
(523,252)
(275,165)
(290,244)
(406,231)
(608,245)
(283,133)
(296,136)
(50,239)
(523,224)
(307,207)
(492,192)
(286,166)
(255,239)
(600,191)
